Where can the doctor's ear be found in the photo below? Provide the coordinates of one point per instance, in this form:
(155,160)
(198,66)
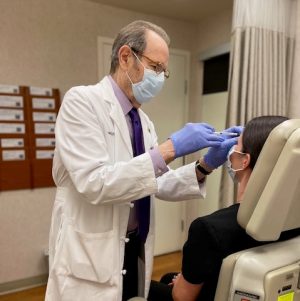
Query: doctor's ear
(125,55)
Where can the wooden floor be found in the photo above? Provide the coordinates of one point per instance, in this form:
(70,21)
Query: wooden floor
(162,264)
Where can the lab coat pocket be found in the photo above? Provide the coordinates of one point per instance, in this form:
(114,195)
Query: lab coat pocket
(89,256)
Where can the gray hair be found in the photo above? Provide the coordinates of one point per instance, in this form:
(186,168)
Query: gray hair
(133,35)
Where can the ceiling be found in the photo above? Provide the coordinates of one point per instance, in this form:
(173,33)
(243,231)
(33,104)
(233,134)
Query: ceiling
(184,10)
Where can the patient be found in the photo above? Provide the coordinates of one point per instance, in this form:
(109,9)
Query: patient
(212,238)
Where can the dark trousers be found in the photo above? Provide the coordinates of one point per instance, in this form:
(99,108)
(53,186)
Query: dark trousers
(161,290)
(130,279)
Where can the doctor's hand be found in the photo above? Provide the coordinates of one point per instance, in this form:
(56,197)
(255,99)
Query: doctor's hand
(193,137)
(217,156)
(237,129)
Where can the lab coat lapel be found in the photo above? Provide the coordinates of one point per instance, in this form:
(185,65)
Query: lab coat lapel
(146,131)
(118,118)
(116,114)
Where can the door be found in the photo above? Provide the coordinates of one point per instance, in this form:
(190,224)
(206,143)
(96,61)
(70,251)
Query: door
(168,112)
(214,107)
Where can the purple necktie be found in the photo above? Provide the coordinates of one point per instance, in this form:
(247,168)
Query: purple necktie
(143,204)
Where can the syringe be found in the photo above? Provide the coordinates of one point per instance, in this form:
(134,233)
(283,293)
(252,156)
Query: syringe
(227,134)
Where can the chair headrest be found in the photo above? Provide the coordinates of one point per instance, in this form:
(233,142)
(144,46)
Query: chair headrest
(271,201)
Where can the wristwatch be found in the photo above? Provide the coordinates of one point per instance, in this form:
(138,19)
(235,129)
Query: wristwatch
(201,168)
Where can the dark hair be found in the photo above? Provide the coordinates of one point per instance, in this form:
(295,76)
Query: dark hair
(256,133)
(133,35)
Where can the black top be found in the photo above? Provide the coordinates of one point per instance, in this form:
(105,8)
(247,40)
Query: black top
(211,239)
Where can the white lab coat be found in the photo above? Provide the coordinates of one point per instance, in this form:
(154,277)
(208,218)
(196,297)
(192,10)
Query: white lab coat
(97,177)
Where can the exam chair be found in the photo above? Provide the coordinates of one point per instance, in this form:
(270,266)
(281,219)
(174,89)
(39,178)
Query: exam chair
(271,205)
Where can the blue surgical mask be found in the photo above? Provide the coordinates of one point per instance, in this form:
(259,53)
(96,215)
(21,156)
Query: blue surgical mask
(230,170)
(149,86)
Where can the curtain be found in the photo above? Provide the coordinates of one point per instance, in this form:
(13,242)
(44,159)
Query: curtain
(261,61)
(294,105)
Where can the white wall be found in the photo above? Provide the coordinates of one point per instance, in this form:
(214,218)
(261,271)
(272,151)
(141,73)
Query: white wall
(54,44)
(211,32)
(24,227)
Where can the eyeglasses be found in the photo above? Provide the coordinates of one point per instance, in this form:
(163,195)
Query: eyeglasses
(156,66)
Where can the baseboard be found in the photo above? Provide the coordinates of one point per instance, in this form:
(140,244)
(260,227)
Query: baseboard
(20,285)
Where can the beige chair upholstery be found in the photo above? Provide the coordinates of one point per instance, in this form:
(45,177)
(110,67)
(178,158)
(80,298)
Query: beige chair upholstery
(271,205)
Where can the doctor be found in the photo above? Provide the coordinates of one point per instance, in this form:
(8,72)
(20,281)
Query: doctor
(102,231)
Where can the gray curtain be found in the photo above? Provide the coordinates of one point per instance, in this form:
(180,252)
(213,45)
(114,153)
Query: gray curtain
(260,73)
(294,104)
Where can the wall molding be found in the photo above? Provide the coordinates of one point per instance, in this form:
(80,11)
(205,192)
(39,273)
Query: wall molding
(22,284)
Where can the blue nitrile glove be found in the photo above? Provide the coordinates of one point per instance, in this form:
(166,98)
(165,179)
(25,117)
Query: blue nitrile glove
(217,156)
(235,129)
(193,137)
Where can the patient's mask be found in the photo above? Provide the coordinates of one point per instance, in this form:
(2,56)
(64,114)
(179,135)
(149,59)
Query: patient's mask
(230,170)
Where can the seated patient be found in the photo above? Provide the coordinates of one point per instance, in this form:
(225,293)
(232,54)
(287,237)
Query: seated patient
(213,237)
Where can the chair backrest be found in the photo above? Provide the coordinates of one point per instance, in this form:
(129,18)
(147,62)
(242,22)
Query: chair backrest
(271,205)
(272,198)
